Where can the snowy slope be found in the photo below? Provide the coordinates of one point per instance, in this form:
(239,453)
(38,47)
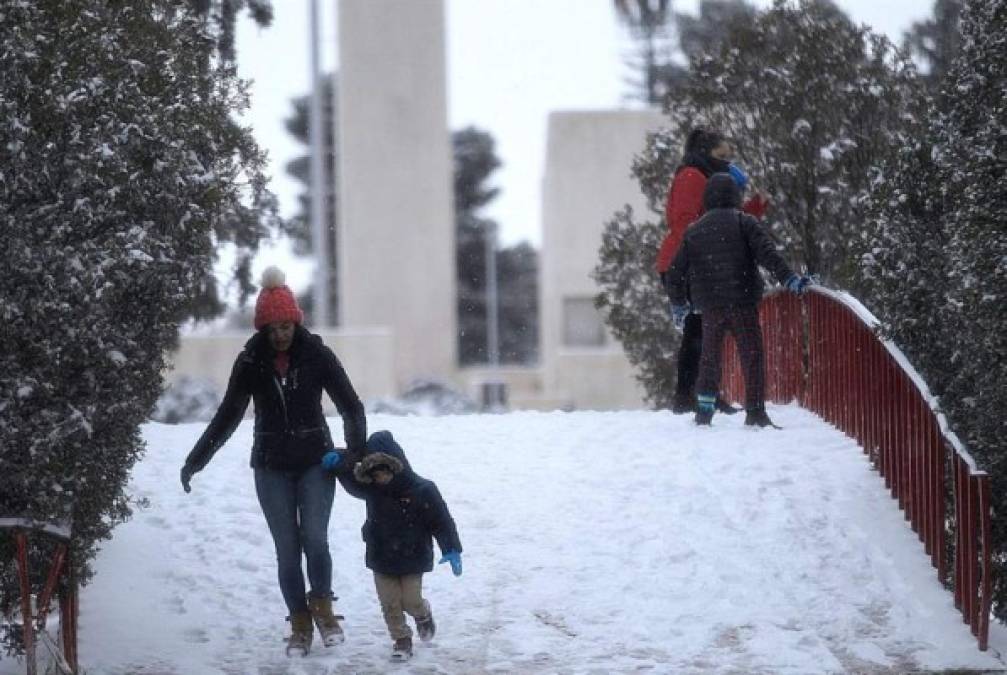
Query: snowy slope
(594,543)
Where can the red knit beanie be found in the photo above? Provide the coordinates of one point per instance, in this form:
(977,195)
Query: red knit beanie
(276,302)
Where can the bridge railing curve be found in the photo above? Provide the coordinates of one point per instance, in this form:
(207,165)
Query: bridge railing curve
(824,351)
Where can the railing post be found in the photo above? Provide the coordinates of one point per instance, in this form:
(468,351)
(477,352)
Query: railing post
(28,625)
(825,353)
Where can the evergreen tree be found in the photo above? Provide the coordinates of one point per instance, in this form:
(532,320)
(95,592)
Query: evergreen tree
(972,151)
(634,305)
(937,41)
(298,228)
(662,37)
(245,228)
(122,164)
(517,270)
(475,161)
(222,18)
(814,106)
(651,27)
(903,266)
(705,33)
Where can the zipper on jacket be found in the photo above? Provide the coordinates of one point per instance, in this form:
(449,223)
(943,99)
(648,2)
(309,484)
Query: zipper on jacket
(283,402)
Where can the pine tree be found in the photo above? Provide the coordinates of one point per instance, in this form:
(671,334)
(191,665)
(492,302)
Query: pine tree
(122,164)
(813,104)
(972,151)
(937,41)
(475,160)
(662,36)
(298,227)
(903,266)
(634,305)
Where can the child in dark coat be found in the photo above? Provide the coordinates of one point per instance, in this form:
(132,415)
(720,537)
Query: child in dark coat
(718,261)
(404,514)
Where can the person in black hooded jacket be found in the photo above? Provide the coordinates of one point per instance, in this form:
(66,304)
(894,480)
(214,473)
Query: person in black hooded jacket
(284,370)
(405,512)
(718,263)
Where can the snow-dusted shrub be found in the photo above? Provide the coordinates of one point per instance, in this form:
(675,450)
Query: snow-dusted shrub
(972,151)
(120,161)
(934,260)
(634,304)
(426,397)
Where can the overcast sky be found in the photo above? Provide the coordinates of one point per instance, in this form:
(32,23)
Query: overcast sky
(510,63)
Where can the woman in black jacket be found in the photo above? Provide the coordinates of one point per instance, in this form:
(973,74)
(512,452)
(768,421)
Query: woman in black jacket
(284,369)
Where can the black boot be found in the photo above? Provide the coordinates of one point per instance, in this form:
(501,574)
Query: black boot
(757,417)
(704,418)
(683,403)
(724,407)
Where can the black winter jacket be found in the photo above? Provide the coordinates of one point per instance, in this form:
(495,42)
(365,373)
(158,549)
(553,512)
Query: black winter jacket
(290,430)
(718,259)
(404,516)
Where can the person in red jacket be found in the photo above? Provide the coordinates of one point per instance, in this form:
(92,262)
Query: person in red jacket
(706,152)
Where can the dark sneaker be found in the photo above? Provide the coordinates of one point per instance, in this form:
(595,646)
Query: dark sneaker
(683,403)
(403,649)
(425,628)
(759,418)
(725,407)
(704,418)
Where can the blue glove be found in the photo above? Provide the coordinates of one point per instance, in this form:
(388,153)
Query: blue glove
(797,283)
(739,176)
(678,314)
(331,459)
(455,558)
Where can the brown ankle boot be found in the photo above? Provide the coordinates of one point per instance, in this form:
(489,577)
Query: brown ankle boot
(301,633)
(325,620)
(402,650)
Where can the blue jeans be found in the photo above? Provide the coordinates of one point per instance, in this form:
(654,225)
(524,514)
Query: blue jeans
(297,507)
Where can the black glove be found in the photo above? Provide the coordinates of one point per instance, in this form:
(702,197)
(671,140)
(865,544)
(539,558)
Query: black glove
(186,475)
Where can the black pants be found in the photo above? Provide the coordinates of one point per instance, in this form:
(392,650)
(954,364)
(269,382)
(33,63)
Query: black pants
(688,356)
(743,324)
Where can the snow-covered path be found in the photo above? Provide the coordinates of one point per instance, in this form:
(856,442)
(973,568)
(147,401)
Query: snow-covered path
(594,543)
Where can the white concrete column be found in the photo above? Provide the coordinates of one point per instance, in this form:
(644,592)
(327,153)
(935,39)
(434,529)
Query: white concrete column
(587,179)
(395,181)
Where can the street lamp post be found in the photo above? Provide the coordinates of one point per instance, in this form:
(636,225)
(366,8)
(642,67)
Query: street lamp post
(319,242)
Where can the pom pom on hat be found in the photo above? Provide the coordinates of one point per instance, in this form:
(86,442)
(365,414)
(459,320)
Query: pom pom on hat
(273,277)
(276,302)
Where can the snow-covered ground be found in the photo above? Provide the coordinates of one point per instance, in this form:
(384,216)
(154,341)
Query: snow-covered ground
(594,543)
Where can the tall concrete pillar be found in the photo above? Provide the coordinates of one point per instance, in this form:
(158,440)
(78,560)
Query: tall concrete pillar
(396,221)
(587,179)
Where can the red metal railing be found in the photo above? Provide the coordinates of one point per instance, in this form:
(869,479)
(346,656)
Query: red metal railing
(34,624)
(823,351)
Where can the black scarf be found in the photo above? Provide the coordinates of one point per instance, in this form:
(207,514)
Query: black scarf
(708,164)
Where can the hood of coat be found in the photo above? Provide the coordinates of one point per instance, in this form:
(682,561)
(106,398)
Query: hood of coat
(372,461)
(721,193)
(383,449)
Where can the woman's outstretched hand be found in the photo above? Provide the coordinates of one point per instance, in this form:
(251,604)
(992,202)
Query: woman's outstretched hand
(186,475)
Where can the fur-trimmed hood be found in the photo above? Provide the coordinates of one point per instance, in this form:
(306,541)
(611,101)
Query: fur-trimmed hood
(371,460)
(382,449)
